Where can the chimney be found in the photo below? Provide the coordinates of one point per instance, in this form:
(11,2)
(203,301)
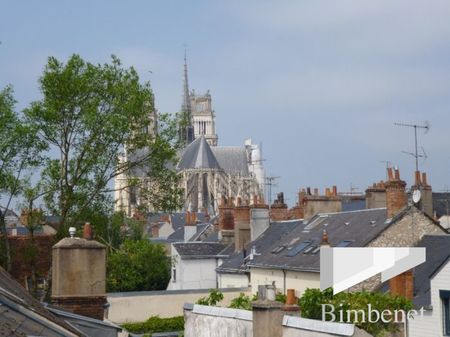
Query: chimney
(376,196)
(297,212)
(241,226)
(259,222)
(291,307)
(279,210)
(325,242)
(190,227)
(78,276)
(267,315)
(396,198)
(87,231)
(328,203)
(426,200)
(403,284)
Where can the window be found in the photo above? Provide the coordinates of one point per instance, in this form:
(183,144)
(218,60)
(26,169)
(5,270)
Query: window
(298,249)
(278,249)
(344,243)
(445,297)
(174,275)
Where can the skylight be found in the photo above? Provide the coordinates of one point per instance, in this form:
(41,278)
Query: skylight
(298,248)
(344,243)
(278,249)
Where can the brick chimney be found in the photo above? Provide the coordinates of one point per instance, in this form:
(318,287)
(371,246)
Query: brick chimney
(279,210)
(396,198)
(226,220)
(190,227)
(376,196)
(79,274)
(241,225)
(426,200)
(297,212)
(328,203)
(403,284)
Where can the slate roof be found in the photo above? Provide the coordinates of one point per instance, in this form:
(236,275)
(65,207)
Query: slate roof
(236,262)
(192,250)
(232,159)
(438,253)
(276,246)
(441,201)
(198,155)
(22,315)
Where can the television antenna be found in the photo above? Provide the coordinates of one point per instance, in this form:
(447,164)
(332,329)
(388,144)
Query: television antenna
(416,154)
(270,181)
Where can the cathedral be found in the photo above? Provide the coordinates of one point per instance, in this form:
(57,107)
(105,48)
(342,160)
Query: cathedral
(208,171)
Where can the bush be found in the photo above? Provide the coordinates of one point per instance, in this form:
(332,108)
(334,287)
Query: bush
(312,300)
(214,297)
(137,266)
(156,324)
(242,302)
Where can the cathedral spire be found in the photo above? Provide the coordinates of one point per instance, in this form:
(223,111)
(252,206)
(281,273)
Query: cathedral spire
(186,128)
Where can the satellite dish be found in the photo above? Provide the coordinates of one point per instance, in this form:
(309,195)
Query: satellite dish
(416,196)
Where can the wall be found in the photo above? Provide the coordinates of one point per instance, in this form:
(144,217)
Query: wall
(193,273)
(139,306)
(233,280)
(21,264)
(294,279)
(432,324)
(218,324)
(400,235)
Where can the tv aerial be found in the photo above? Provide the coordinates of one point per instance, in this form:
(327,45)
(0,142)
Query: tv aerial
(415,154)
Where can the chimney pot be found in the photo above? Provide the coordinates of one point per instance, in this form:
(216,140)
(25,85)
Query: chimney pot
(335,190)
(417,181)
(390,175)
(87,231)
(424,179)
(397,174)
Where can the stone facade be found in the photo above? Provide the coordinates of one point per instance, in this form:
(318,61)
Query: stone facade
(406,231)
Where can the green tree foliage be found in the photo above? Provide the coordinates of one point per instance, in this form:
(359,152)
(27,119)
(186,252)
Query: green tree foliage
(215,296)
(137,266)
(242,302)
(155,324)
(89,115)
(20,150)
(312,300)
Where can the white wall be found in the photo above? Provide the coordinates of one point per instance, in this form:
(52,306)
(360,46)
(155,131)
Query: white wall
(432,323)
(289,280)
(233,280)
(192,274)
(139,306)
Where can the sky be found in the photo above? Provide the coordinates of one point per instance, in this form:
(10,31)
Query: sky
(318,83)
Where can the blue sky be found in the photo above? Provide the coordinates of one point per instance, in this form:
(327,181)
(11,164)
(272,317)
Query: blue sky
(318,83)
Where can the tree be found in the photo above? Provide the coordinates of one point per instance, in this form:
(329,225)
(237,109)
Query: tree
(20,150)
(89,115)
(137,266)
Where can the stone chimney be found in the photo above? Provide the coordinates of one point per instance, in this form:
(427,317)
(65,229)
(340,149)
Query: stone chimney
(328,203)
(426,200)
(267,315)
(241,225)
(376,196)
(190,227)
(403,284)
(396,198)
(79,274)
(279,210)
(259,222)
